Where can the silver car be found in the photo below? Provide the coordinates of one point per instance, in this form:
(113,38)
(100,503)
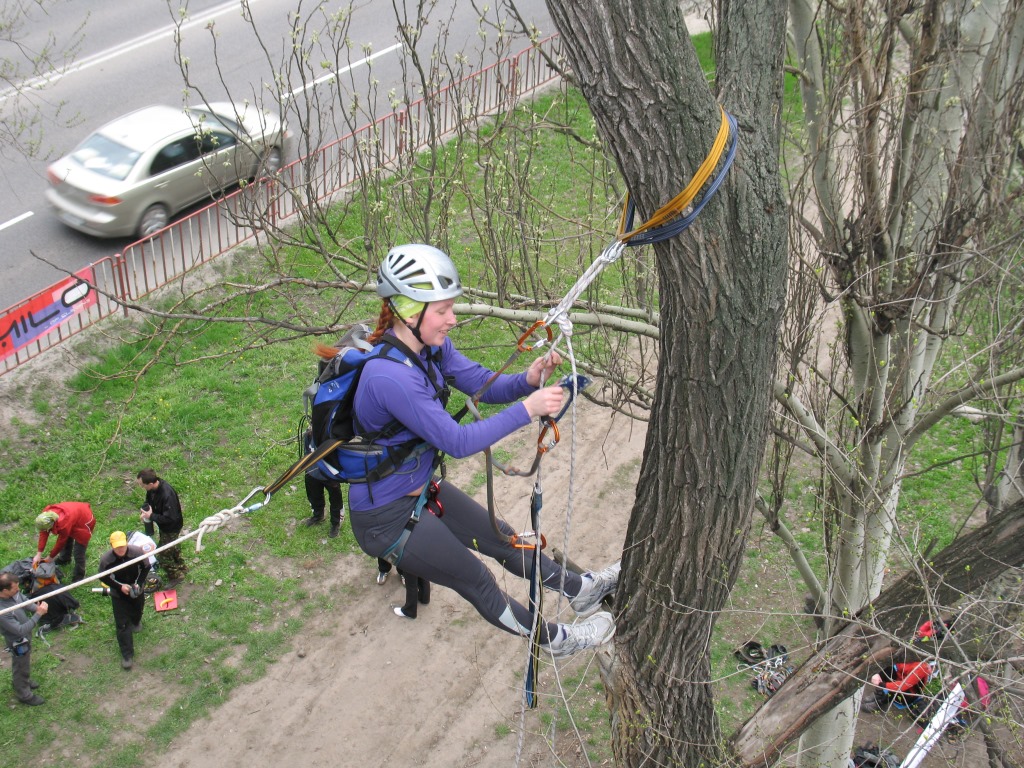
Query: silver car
(129,177)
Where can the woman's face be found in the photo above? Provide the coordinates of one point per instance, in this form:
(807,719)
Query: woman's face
(438,319)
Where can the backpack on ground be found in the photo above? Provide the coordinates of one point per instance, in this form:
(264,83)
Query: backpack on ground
(872,756)
(30,580)
(329,434)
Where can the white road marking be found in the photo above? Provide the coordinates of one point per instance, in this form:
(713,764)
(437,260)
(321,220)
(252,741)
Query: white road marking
(343,70)
(104,56)
(15,220)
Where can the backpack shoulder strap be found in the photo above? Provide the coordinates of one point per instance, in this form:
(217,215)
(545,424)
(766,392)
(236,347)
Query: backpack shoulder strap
(390,340)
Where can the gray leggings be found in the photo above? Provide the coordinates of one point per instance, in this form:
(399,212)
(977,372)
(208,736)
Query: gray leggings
(441,550)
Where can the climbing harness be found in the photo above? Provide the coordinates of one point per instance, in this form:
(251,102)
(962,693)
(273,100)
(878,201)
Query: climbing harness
(428,496)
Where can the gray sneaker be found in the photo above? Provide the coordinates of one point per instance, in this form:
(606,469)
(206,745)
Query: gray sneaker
(596,586)
(582,635)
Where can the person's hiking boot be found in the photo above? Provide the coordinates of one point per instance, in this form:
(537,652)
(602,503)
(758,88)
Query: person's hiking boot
(314,520)
(335,531)
(127,663)
(34,701)
(582,635)
(596,586)
(382,576)
(32,684)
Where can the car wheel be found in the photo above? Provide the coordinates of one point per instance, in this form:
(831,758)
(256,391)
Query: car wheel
(153,220)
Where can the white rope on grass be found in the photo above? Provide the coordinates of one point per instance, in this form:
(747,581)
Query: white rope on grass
(211,523)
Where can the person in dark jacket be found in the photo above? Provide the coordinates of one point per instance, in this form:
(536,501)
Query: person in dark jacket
(17,633)
(163,508)
(127,598)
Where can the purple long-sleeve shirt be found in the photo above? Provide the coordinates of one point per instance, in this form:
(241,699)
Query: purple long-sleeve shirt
(399,391)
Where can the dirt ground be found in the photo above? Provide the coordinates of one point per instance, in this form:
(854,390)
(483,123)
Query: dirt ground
(364,687)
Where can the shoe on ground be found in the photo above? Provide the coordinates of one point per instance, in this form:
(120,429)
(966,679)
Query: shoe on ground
(382,576)
(313,520)
(136,628)
(582,635)
(35,701)
(126,663)
(335,531)
(596,586)
(32,684)
(400,613)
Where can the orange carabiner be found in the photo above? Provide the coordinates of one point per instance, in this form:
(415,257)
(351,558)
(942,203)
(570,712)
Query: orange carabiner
(553,426)
(521,344)
(519,544)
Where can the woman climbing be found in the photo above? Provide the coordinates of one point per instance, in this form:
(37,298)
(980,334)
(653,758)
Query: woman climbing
(418,285)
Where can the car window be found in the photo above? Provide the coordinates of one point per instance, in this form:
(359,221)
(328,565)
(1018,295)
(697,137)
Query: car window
(211,141)
(174,154)
(105,156)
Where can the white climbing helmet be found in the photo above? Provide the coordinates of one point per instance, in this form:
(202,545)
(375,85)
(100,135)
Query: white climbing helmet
(420,272)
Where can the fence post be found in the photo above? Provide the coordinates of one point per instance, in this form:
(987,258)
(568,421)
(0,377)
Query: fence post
(120,280)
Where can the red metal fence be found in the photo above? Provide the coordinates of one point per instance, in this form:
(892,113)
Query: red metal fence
(43,321)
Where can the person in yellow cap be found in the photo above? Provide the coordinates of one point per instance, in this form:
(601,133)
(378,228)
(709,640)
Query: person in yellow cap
(72,522)
(127,598)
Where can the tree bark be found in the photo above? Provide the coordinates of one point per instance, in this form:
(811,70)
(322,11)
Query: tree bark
(843,663)
(722,288)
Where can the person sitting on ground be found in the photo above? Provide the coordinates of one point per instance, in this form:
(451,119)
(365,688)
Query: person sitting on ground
(418,285)
(61,608)
(73,523)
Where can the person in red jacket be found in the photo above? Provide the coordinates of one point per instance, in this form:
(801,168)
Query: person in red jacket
(902,685)
(70,521)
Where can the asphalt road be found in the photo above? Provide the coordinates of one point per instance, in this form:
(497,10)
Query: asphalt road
(128,60)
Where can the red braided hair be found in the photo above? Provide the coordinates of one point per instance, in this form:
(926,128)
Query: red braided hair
(385,320)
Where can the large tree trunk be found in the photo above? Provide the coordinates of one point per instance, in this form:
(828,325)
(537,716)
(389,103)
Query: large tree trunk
(842,664)
(721,302)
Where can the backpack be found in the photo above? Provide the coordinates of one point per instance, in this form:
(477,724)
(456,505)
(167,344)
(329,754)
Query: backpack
(352,455)
(872,756)
(143,542)
(30,580)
